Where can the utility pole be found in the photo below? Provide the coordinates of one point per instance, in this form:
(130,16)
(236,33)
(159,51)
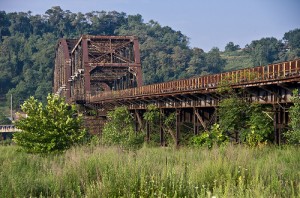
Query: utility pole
(11,111)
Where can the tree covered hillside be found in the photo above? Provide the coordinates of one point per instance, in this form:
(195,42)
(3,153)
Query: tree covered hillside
(27,49)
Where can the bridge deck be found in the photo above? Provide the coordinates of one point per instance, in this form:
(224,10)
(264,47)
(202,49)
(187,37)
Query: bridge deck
(278,73)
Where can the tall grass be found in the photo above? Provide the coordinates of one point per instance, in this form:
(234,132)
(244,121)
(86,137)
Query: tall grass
(231,171)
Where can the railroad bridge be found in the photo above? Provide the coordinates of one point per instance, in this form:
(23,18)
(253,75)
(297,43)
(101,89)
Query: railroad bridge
(102,72)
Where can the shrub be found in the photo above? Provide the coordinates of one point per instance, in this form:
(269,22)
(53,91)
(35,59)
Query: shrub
(259,126)
(293,134)
(209,138)
(50,128)
(119,130)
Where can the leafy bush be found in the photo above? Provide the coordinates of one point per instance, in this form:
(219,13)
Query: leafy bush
(259,126)
(293,135)
(209,138)
(232,114)
(152,114)
(50,128)
(247,123)
(119,130)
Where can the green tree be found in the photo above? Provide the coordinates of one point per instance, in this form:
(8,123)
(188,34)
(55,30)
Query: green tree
(50,128)
(230,47)
(197,63)
(293,38)
(293,134)
(118,130)
(232,113)
(214,61)
(244,122)
(265,50)
(259,125)
(20,23)
(5,23)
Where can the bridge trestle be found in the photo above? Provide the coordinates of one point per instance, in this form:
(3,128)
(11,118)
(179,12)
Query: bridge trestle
(103,72)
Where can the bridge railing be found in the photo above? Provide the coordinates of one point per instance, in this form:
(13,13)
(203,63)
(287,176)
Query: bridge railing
(271,72)
(8,129)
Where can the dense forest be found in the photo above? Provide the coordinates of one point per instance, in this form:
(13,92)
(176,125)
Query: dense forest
(27,49)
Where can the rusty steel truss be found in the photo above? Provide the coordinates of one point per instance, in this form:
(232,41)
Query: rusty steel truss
(93,64)
(102,72)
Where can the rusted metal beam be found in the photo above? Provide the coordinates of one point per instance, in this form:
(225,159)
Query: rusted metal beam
(178,114)
(200,119)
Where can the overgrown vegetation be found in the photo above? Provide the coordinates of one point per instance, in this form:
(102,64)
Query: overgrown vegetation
(153,116)
(227,171)
(54,127)
(293,135)
(119,130)
(215,136)
(238,121)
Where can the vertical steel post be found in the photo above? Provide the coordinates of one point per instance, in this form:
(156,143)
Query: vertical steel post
(280,124)
(148,132)
(11,109)
(162,140)
(136,121)
(87,67)
(177,127)
(137,61)
(195,121)
(275,124)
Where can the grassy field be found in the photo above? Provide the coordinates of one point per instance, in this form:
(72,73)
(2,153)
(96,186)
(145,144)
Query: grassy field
(96,171)
(237,60)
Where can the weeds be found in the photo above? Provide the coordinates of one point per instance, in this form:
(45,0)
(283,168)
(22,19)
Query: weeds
(97,171)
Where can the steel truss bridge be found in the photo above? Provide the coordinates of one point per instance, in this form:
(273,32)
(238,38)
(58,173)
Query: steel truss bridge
(102,72)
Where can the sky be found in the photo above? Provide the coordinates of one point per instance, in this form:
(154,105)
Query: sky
(207,23)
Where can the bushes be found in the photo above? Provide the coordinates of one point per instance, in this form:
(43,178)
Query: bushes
(119,130)
(293,134)
(51,128)
(209,138)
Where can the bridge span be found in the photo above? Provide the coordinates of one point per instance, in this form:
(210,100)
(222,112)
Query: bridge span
(102,72)
(8,129)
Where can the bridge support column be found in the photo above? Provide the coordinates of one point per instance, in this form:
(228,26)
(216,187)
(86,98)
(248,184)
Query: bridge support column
(275,124)
(280,121)
(195,121)
(201,118)
(87,68)
(136,124)
(147,132)
(162,139)
(138,62)
(138,121)
(178,114)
